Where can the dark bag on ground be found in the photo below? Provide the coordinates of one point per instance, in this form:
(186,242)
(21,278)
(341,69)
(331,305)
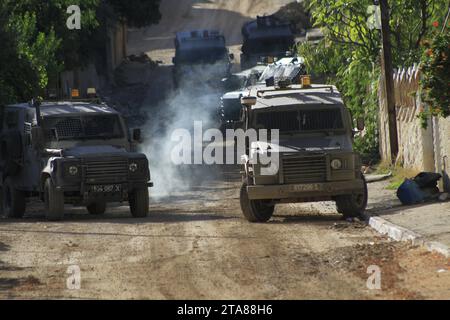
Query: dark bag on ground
(422,188)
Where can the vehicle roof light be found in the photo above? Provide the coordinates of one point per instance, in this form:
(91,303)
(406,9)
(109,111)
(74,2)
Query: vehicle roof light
(306,82)
(75,93)
(91,91)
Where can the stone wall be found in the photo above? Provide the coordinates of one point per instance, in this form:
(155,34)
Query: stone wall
(419,149)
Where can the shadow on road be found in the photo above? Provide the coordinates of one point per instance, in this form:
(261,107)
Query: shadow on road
(307,218)
(8,283)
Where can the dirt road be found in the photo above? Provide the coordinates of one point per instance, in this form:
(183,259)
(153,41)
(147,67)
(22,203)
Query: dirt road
(195,245)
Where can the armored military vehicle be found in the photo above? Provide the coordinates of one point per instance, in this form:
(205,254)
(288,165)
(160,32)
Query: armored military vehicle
(314,158)
(78,153)
(201,55)
(265,38)
(291,68)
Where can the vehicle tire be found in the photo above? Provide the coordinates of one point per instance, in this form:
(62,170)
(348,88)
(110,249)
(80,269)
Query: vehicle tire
(255,210)
(1,201)
(139,202)
(11,152)
(96,208)
(54,201)
(354,205)
(13,200)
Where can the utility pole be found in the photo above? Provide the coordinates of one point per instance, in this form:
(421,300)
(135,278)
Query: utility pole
(386,66)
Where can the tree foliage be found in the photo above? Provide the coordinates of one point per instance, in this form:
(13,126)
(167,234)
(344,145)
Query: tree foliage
(436,77)
(36,43)
(137,13)
(349,56)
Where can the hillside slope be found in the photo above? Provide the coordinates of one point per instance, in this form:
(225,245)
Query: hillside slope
(228,16)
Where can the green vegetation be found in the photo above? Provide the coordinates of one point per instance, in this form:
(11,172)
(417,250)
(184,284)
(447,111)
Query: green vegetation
(399,174)
(349,55)
(436,76)
(37,45)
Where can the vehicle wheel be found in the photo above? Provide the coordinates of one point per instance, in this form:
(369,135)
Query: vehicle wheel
(11,152)
(97,208)
(13,200)
(255,210)
(139,202)
(54,201)
(354,205)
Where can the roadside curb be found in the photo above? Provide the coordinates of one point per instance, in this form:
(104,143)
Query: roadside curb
(399,233)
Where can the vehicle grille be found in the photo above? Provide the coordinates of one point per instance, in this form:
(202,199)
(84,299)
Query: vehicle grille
(106,171)
(304,169)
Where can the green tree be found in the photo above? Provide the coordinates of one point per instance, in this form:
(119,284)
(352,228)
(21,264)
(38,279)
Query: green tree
(349,54)
(36,43)
(26,56)
(137,13)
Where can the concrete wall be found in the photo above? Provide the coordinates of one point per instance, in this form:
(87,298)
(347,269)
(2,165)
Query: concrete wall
(441,143)
(419,149)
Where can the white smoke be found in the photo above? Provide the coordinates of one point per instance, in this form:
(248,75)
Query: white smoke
(197,98)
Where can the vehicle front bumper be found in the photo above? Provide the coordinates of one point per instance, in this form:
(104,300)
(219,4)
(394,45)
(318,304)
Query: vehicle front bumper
(305,192)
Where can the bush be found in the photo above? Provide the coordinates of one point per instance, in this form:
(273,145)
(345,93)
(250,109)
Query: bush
(435,80)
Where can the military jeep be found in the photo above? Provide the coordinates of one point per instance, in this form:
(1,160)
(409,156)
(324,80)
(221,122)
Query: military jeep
(314,158)
(201,56)
(78,153)
(265,39)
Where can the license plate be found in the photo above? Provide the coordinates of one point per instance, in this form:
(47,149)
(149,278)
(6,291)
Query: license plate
(306,187)
(111,188)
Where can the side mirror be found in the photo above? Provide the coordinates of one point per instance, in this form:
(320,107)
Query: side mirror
(174,60)
(37,137)
(360,124)
(232,56)
(137,135)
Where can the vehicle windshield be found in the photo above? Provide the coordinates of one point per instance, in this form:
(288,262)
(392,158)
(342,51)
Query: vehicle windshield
(268,45)
(204,55)
(324,120)
(83,127)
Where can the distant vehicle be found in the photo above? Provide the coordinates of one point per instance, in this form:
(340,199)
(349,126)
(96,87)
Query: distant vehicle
(70,152)
(265,38)
(291,68)
(199,48)
(316,157)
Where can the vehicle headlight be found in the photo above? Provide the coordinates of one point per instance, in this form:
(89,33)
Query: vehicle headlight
(73,170)
(133,167)
(336,164)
